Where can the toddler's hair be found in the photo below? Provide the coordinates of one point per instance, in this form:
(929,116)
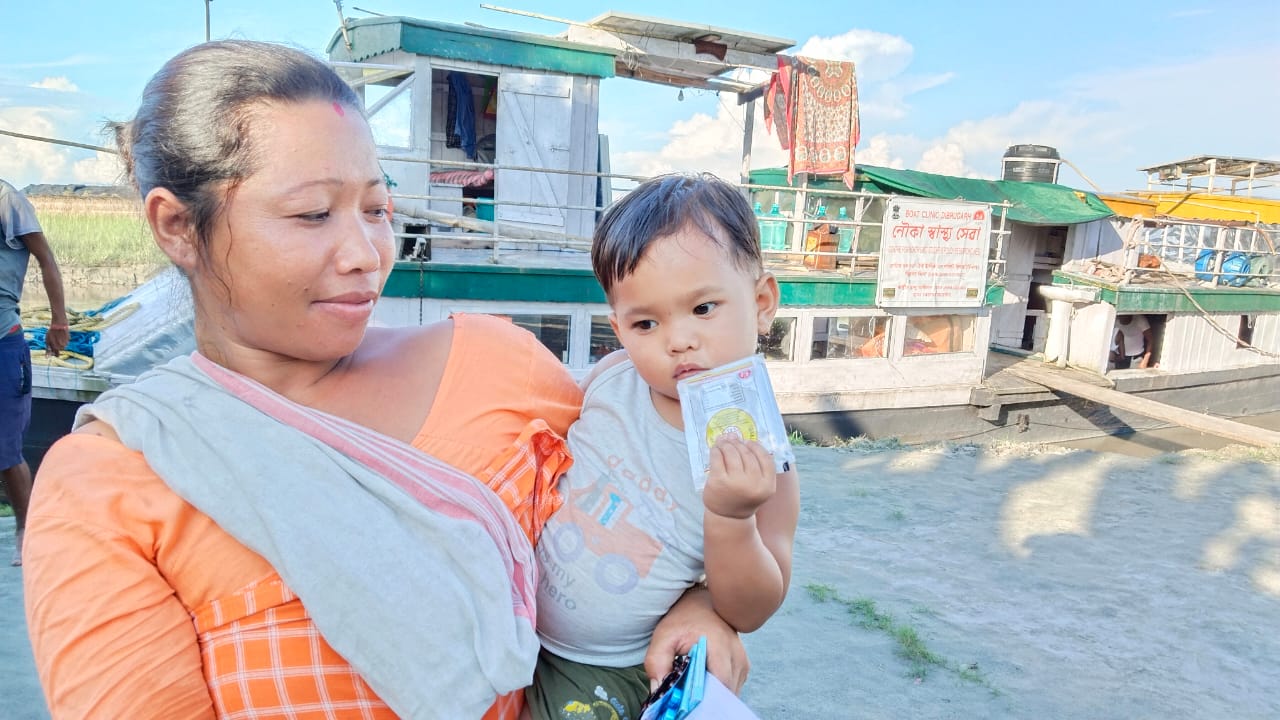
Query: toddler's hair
(663,205)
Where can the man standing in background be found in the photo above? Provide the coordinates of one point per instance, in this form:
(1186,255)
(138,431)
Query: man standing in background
(22,238)
(1134,342)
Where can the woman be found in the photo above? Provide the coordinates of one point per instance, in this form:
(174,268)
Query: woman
(307,517)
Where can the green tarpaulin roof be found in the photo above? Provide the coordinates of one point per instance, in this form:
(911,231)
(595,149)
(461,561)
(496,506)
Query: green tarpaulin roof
(1029,202)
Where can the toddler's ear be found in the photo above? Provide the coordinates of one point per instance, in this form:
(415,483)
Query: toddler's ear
(767,298)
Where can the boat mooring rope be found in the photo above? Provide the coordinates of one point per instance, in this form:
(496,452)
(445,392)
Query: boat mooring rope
(85,329)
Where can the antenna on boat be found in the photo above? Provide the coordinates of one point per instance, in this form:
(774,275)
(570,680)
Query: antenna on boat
(342,24)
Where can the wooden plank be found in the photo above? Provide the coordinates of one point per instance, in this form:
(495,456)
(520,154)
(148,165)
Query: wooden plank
(1230,429)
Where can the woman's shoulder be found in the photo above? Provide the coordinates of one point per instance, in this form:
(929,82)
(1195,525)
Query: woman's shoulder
(90,476)
(474,336)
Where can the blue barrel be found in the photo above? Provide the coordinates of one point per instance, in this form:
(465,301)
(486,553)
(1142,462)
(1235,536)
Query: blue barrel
(1235,268)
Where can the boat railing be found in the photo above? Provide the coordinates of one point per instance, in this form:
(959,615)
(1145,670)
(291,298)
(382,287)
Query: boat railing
(503,236)
(1226,254)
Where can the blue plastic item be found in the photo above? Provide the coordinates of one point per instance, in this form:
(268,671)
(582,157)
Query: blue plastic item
(1235,268)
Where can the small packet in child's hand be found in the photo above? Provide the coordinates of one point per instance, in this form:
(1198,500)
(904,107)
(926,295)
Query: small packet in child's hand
(735,398)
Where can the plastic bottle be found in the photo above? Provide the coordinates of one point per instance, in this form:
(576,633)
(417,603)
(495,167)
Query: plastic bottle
(766,227)
(846,233)
(777,230)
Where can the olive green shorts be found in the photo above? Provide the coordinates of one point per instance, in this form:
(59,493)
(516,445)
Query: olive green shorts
(566,690)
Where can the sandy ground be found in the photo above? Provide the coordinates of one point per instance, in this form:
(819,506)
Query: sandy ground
(1037,583)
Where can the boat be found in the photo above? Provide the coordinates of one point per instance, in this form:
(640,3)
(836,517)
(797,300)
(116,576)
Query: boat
(894,291)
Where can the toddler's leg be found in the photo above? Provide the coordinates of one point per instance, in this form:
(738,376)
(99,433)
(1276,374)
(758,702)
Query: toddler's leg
(566,690)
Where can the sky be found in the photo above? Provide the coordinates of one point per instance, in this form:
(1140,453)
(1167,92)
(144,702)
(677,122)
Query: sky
(944,87)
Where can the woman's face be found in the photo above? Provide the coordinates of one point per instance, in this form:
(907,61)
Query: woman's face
(299,255)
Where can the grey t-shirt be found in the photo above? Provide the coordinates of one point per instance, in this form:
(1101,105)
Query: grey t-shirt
(17,218)
(627,542)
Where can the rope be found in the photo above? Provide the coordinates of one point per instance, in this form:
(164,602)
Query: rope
(1132,242)
(66,359)
(1240,343)
(86,327)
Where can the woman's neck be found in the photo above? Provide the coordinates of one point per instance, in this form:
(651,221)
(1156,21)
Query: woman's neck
(295,378)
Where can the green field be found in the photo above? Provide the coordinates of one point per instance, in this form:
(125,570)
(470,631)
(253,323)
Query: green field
(97,240)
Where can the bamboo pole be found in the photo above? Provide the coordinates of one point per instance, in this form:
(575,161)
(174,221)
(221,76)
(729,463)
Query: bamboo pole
(1222,427)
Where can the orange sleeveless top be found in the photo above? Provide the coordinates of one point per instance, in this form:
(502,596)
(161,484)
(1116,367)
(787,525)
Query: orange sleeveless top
(139,606)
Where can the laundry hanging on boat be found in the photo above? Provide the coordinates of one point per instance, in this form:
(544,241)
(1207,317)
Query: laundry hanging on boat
(461,119)
(812,105)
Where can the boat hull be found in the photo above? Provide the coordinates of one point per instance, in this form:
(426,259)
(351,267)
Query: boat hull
(1053,418)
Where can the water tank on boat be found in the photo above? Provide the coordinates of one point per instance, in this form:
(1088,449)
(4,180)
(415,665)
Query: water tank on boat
(1030,163)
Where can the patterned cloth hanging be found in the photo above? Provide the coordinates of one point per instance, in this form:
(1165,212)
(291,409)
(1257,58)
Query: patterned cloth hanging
(813,104)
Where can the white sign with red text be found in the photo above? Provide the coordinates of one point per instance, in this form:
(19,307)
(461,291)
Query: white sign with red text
(933,254)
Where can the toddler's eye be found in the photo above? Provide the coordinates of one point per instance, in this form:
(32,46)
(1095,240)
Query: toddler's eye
(643,325)
(704,308)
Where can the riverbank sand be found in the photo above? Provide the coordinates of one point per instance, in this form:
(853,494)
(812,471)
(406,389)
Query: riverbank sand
(1002,582)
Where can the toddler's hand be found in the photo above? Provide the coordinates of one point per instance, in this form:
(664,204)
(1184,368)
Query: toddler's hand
(741,478)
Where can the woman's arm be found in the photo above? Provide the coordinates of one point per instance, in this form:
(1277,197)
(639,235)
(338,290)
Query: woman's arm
(110,637)
(690,618)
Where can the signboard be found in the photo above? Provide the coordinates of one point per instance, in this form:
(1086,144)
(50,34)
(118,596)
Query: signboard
(933,254)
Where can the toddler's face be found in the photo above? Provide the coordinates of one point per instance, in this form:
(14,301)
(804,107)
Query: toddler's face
(688,307)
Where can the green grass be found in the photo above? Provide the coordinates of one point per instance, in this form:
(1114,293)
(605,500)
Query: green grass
(865,445)
(910,647)
(95,240)
(6,510)
(797,439)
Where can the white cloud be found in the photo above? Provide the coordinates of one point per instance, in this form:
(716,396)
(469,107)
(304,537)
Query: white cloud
(973,148)
(946,158)
(877,56)
(101,169)
(883,151)
(706,143)
(60,83)
(23,162)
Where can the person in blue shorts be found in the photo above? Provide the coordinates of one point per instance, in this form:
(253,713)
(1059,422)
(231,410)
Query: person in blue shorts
(22,239)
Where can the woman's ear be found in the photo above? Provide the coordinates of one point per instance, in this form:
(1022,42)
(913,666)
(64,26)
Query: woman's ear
(768,295)
(172,228)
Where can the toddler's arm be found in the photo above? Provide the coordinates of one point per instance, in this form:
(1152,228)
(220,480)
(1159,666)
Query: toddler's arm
(748,528)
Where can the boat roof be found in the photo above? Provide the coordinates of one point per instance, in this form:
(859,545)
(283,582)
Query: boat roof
(1030,203)
(1222,165)
(680,54)
(1214,207)
(664,29)
(371,37)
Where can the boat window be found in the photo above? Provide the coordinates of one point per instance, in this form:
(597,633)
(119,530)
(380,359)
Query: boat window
(603,339)
(1244,334)
(780,343)
(849,337)
(551,330)
(931,334)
